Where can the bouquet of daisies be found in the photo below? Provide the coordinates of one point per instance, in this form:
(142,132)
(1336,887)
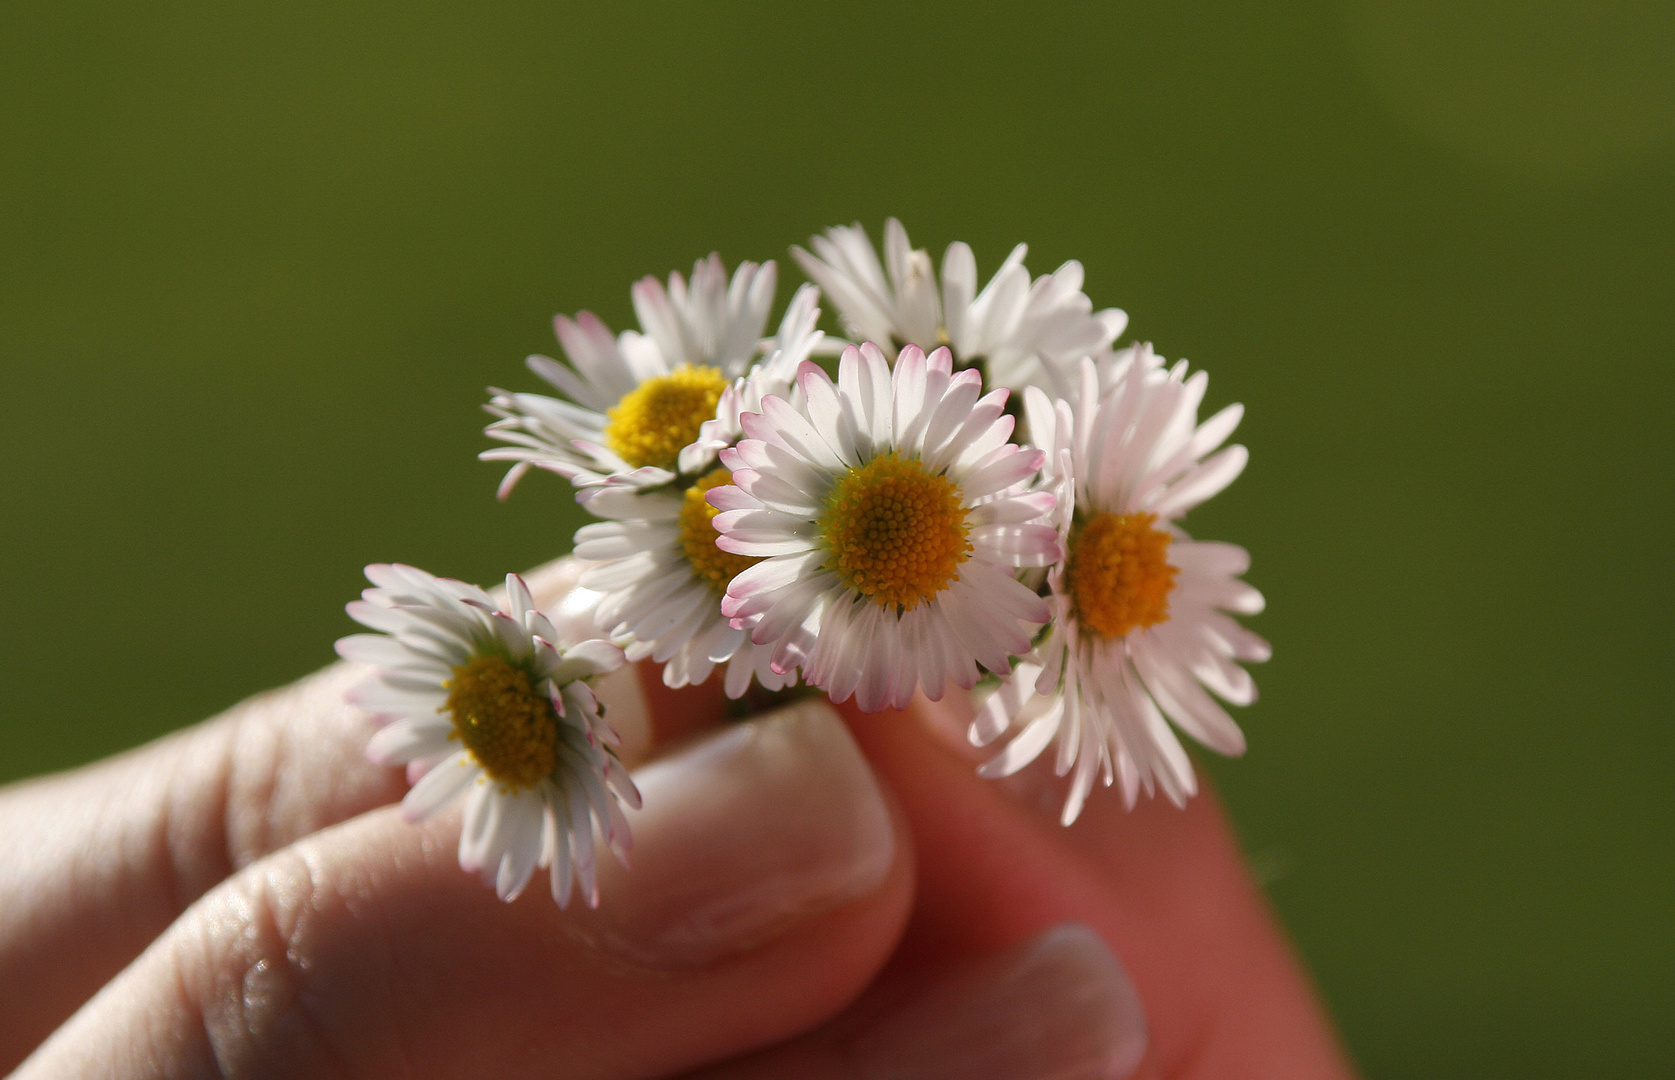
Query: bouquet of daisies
(977,490)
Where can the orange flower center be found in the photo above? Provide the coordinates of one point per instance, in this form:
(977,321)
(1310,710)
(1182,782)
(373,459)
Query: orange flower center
(896,532)
(508,727)
(1118,574)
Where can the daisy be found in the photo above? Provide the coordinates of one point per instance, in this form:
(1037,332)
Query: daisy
(1142,625)
(1022,333)
(484,701)
(888,513)
(655,565)
(632,402)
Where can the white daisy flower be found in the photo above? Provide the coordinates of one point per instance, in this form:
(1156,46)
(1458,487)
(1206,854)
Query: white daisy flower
(656,568)
(888,511)
(485,701)
(1141,622)
(1023,333)
(632,402)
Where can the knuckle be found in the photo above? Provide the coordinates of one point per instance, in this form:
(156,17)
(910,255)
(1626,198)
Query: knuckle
(251,976)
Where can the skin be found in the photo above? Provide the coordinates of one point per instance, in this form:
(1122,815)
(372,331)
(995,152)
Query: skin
(240,899)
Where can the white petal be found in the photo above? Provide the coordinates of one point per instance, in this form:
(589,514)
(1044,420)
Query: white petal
(440,785)
(410,740)
(1209,557)
(375,695)
(1028,744)
(1017,545)
(1012,467)
(1202,482)
(792,430)
(523,845)
(600,656)
(1186,703)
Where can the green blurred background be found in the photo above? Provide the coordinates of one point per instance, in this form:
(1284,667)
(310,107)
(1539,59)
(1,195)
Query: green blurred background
(257,263)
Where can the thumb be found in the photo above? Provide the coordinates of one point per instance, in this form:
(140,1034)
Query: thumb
(1165,888)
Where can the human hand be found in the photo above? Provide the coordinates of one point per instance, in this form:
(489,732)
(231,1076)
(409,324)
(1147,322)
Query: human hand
(291,924)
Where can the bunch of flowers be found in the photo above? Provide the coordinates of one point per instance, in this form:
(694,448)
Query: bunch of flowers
(978,489)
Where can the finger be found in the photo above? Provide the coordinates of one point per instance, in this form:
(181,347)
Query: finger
(676,715)
(1056,1007)
(769,887)
(95,863)
(1164,887)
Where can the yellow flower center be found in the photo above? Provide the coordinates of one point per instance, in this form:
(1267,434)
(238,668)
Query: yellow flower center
(508,727)
(1119,574)
(710,564)
(896,532)
(653,421)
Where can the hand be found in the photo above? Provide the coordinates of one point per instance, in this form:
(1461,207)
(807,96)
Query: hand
(807,900)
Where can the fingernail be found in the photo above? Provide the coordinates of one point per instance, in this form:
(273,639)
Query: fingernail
(551,584)
(744,834)
(1058,1007)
